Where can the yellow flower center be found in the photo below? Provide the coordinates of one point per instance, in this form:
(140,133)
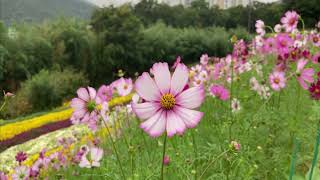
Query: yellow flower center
(125,87)
(276,80)
(167,101)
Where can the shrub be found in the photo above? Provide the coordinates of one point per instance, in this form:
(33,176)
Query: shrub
(45,90)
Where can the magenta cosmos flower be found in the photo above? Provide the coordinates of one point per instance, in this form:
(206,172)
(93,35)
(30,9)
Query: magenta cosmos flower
(86,107)
(105,93)
(167,103)
(314,90)
(283,43)
(304,74)
(277,80)
(290,21)
(20,157)
(219,91)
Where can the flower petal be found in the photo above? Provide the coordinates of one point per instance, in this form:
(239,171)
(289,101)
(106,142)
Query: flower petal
(191,98)
(77,103)
(179,79)
(92,93)
(162,76)
(145,110)
(156,125)
(83,94)
(190,117)
(146,88)
(174,124)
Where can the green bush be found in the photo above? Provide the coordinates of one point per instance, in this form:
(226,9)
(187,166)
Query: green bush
(45,90)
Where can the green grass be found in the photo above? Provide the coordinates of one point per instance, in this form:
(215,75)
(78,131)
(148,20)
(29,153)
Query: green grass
(266,129)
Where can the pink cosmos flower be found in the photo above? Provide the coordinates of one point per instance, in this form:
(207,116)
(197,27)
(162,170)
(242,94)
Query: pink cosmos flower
(94,160)
(260,27)
(235,105)
(315,39)
(21,173)
(304,75)
(219,91)
(178,61)
(124,86)
(8,94)
(3,176)
(196,69)
(277,80)
(316,58)
(290,21)
(283,43)
(105,93)
(268,45)
(278,28)
(86,107)
(204,59)
(203,75)
(197,81)
(168,104)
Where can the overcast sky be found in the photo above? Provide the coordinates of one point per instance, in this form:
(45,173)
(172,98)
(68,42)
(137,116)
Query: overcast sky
(119,2)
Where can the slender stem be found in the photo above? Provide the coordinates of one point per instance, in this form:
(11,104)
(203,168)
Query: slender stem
(114,149)
(195,153)
(302,21)
(315,155)
(212,162)
(269,27)
(2,106)
(163,154)
(294,157)
(231,96)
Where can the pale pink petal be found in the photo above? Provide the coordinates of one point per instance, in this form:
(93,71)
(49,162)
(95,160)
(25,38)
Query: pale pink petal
(145,110)
(77,103)
(84,163)
(302,83)
(300,65)
(146,88)
(95,164)
(83,94)
(174,124)
(156,125)
(190,117)
(92,93)
(307,75)
(96,154)
(179,79)
(162,76)
(79,113)
(191,98)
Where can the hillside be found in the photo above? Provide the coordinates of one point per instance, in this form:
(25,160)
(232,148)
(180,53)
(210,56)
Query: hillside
(39,10)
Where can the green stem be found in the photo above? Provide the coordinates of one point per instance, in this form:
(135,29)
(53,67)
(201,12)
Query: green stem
(163,154)
(212,162)
(114,149)
(269,27)
(230,105)
(294,157)
(195,153)
(315,155)
(2,106)
(302,21)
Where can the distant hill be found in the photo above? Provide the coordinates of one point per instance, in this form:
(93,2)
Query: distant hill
(39,10)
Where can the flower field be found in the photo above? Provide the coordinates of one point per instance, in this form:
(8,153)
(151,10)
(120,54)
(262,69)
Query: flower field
(253,114)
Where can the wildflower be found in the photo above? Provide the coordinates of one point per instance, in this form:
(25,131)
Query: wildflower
(178,61)
(278,28)
(304,75)
(204,59)
(169,104)
(7,94)
(254,84)
(219,91)
(235,105)
(260,27)
(316,58)
(290,21)
(235,145)
(268,45)
(203,76)
(315,38)
(20,157)
(3,176)
(83,151)
(196,69)
(277,80)
(314,90)
(283,42)
(21,173)
(94,158)
(264,92)
(105,93)
(197,81)
(124,86)
(166,160)
(86,107)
